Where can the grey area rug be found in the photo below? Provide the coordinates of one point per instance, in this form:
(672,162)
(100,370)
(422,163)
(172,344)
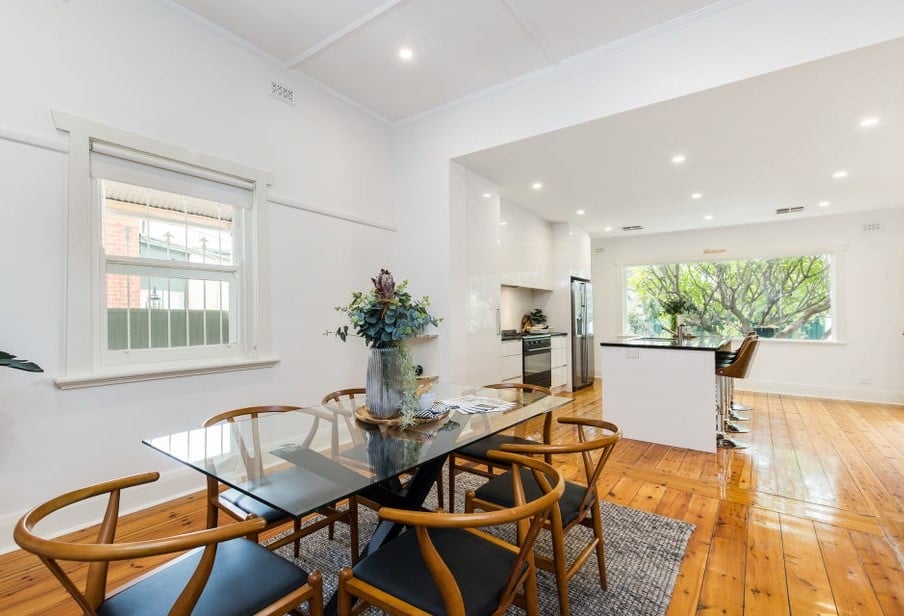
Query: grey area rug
(643,555)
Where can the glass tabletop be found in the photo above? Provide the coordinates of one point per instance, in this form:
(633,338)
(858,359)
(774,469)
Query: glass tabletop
(299,461)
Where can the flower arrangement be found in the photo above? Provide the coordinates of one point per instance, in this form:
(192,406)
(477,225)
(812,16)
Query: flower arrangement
(385,317)
(387,314)
(673,306)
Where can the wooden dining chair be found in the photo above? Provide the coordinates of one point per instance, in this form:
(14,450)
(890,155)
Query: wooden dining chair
(444,564)
(240,506)
(344,402)
(223,573)
(473,458)
(579,505)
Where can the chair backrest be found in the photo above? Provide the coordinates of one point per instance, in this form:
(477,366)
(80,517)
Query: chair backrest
(531,388)
(739,368)
(105,549)
(343,403)
(529,516)
(594,450)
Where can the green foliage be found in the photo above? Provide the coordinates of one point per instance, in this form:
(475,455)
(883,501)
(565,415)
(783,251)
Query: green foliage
(386,315)
(537,317)
(9,360)
(789,296)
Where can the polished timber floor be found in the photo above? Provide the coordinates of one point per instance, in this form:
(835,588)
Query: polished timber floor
(808,520)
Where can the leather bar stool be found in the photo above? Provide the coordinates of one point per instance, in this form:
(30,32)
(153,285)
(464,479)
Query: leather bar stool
(723,358)
(737,369)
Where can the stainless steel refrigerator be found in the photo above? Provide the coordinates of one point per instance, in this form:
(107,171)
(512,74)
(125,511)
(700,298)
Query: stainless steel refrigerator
(582,350)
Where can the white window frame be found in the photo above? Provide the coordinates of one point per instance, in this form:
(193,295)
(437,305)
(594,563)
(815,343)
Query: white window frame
(87,361)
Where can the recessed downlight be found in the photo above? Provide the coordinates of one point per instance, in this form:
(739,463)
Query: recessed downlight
(841,173)
(708,217)
(869,122)
(697,195)
(679,158)
(537,185)
(823,204)
(607,228)
(503,223)
(580,212)
(406,53)
(487,195)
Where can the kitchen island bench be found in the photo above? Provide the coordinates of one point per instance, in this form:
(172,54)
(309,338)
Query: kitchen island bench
(662,391)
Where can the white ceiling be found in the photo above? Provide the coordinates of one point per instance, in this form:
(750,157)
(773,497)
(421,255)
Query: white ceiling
(461,47)
(753,146)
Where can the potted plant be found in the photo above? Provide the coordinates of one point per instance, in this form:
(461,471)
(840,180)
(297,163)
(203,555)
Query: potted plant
(673,307)
(11,361)
(386,316)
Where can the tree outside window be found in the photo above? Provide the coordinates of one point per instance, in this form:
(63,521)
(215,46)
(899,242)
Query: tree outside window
(786,297)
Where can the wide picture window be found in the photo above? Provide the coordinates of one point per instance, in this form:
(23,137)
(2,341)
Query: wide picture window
(785,297)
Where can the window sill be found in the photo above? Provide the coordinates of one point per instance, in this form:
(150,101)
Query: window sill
(164,370)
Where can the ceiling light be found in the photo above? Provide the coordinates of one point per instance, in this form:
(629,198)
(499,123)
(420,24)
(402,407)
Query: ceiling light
(406,53)
(487,195)
(580,212)
(503,223)
(607,228)
(869,122)
(823,204)
(537,185)
(697,196)
(679,158)
(841,173)
(708,217)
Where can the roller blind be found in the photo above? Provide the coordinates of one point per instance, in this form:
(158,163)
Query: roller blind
(114,162)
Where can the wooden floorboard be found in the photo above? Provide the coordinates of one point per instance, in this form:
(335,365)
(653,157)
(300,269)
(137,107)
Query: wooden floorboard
(808,520)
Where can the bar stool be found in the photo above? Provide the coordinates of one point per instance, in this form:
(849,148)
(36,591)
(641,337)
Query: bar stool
(737,369)
(723,358)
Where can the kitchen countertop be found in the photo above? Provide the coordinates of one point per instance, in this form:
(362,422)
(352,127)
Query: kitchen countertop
(522,335)
(704,343)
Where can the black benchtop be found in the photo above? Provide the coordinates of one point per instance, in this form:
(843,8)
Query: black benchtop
(522,335)
(704,343)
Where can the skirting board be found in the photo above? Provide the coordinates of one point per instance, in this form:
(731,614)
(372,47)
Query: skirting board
(817,391)
(172,484)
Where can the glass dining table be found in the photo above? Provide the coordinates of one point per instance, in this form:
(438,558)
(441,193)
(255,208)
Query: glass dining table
(300,461)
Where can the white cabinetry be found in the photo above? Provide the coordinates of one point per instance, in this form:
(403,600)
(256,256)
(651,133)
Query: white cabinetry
(526,255)
(511,361)
(559,361)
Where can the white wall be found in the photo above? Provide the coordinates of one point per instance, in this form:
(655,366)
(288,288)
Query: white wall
(869,299)
(143,67)
(727,42)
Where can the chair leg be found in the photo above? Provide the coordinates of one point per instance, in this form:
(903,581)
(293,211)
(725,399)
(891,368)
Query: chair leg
(531,597)
(439,490)
(297,526)
(451,483)
(353,527)
(315,603)
(600,545)
(559,564)
(344,603)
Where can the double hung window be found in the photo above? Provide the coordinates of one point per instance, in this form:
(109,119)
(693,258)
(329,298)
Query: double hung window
(164,260)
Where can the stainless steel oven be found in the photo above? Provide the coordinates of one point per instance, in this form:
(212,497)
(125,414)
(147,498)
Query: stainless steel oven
(537,359)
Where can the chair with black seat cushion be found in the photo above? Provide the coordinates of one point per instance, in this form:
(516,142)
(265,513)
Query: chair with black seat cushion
(473,458)
(222,575)
(344,402)
(579,505)
(240,506)
(444,564)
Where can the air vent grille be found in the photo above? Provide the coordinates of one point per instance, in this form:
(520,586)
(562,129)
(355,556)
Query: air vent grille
(632,228)
(790,210)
